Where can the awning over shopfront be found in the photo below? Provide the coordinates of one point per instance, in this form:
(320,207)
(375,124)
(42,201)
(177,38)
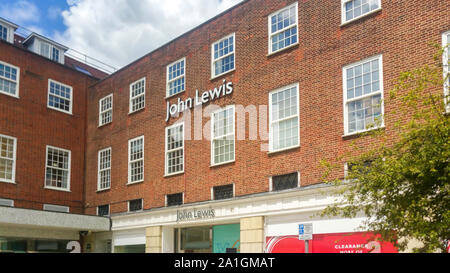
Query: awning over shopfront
(17,222)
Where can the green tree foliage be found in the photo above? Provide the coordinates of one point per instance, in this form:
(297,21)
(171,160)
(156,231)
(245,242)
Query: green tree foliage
(401,183)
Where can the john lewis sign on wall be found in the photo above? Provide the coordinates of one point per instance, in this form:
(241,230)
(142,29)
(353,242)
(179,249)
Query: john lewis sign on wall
(174,109)
(192,215)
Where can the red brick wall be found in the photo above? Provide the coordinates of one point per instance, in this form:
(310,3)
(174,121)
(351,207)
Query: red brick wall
(400,32)
(35,126)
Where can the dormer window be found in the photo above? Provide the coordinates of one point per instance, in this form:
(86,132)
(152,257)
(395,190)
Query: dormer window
(7,30)
(49,51)
(3,33)
(45,47)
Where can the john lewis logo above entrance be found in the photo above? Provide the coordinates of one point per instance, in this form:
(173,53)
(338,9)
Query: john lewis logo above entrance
(192,215)
(224,90)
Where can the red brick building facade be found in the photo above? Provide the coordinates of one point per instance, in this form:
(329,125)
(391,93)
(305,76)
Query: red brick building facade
(334,39)
(323,58)
(42,147)
(397,32)
(35,126)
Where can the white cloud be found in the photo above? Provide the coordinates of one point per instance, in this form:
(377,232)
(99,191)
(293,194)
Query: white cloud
(119,31)
(20,12)
(53,13)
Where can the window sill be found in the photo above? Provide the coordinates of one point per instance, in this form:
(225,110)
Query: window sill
(223,163)
(135,211)
(103,190)
(133,183)
(56,189)
(283,49)
(9,95)
(360,17)
(173,174)
(223,74)
(136,111)
(8,182)
(174,95)
(359,133)
(103,125)
(283,150)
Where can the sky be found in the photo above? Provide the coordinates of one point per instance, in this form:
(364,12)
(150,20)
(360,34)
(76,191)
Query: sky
(116,32)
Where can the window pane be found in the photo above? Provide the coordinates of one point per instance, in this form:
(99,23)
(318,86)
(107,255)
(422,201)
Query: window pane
(174,150)
(364,113)
(137,97)
(136,158)
(363,79)
(176,78)
(356,8)
(285,122)
(284,182)
(174,199)
(57,172)
(59,96)
(223,192)
(223,136)
(8,79)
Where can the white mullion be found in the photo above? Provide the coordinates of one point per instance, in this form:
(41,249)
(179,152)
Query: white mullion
(169,151)
(282,30)
(284,119)
(364,96)
(130,162)
(13,159)
(59,150)
(61,97)
(346,102)
(224,56)
(100,169)
(175,79)
(57,168)
(446,69)
(8,79)
(224,136)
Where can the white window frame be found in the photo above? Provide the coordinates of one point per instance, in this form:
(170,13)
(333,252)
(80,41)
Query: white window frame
(168,82)
(213,137)
(17,82)
(100,170)
(50,52)
(135,97)
(70,100)
(182,199)
(101,112)
(271,122)
(284,29)
(213,60)
(13,178)
(344,20)
(212,191)
(109,210)
(8,29)
(69,164)
(381,91)
(446,69)
(167,151)
(142,205)
(141,159)
(299,184)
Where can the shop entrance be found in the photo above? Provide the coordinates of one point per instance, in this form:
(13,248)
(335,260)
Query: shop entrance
(24,245)
(193,240)
(208,239)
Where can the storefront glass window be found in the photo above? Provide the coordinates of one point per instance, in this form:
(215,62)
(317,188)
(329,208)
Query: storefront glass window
(130,249)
